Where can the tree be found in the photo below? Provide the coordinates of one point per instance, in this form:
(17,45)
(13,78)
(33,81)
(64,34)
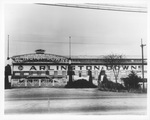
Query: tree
(70,73)
(114,61)
(7,73)
(132,81)
(90,76)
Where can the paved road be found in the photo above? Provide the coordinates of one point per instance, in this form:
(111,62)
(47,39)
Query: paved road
(73,101)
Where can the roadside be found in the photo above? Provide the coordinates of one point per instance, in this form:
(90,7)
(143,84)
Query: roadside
(73,101)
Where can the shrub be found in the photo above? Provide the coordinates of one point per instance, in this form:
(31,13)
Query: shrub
(106,84)
(132,81)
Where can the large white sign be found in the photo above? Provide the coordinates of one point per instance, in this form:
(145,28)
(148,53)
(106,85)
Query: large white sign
(39,57)
(74,67)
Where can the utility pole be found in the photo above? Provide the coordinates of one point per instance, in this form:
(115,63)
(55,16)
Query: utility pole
(142,45)
(70,47)
(69,60)
(8,49)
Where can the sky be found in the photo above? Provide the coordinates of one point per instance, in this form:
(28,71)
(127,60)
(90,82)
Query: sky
(93,32)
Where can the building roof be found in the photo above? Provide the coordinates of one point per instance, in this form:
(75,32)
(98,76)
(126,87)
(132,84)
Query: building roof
(41,57)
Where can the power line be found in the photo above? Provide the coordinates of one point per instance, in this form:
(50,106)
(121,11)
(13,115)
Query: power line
(114,5)
(82,43)
(102,7)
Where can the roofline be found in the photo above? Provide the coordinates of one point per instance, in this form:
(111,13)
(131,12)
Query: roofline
(80,56)
(77,63)
(37,54)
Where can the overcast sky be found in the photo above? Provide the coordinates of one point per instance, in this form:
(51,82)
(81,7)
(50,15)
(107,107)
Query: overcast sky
(93,32)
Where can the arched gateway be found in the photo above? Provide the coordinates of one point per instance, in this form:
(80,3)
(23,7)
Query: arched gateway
(40,69)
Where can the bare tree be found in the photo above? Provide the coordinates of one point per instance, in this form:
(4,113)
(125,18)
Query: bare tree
(114,62)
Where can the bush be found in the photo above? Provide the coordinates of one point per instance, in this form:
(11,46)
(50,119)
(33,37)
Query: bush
(132,81)
(109,85)
(112,86)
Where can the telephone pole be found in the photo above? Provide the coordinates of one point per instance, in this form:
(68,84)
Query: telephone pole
(142,45)
(70,47)
(69,65)
(8,49)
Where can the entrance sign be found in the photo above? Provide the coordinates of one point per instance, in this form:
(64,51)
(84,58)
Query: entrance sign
(39,58)
(74,67)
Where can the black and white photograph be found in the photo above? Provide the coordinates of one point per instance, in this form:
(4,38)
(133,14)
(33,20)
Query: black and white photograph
(76,58)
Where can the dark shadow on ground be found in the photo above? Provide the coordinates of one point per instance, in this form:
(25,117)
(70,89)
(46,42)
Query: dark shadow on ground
(80,84)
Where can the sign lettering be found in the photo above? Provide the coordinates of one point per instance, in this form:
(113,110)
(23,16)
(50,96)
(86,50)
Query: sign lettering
(64,67)
(33,68)
(74,67)
(42,67)
(125,67)
(80,67)
(96,68)
(40,57)
(133,67)
(88,67)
